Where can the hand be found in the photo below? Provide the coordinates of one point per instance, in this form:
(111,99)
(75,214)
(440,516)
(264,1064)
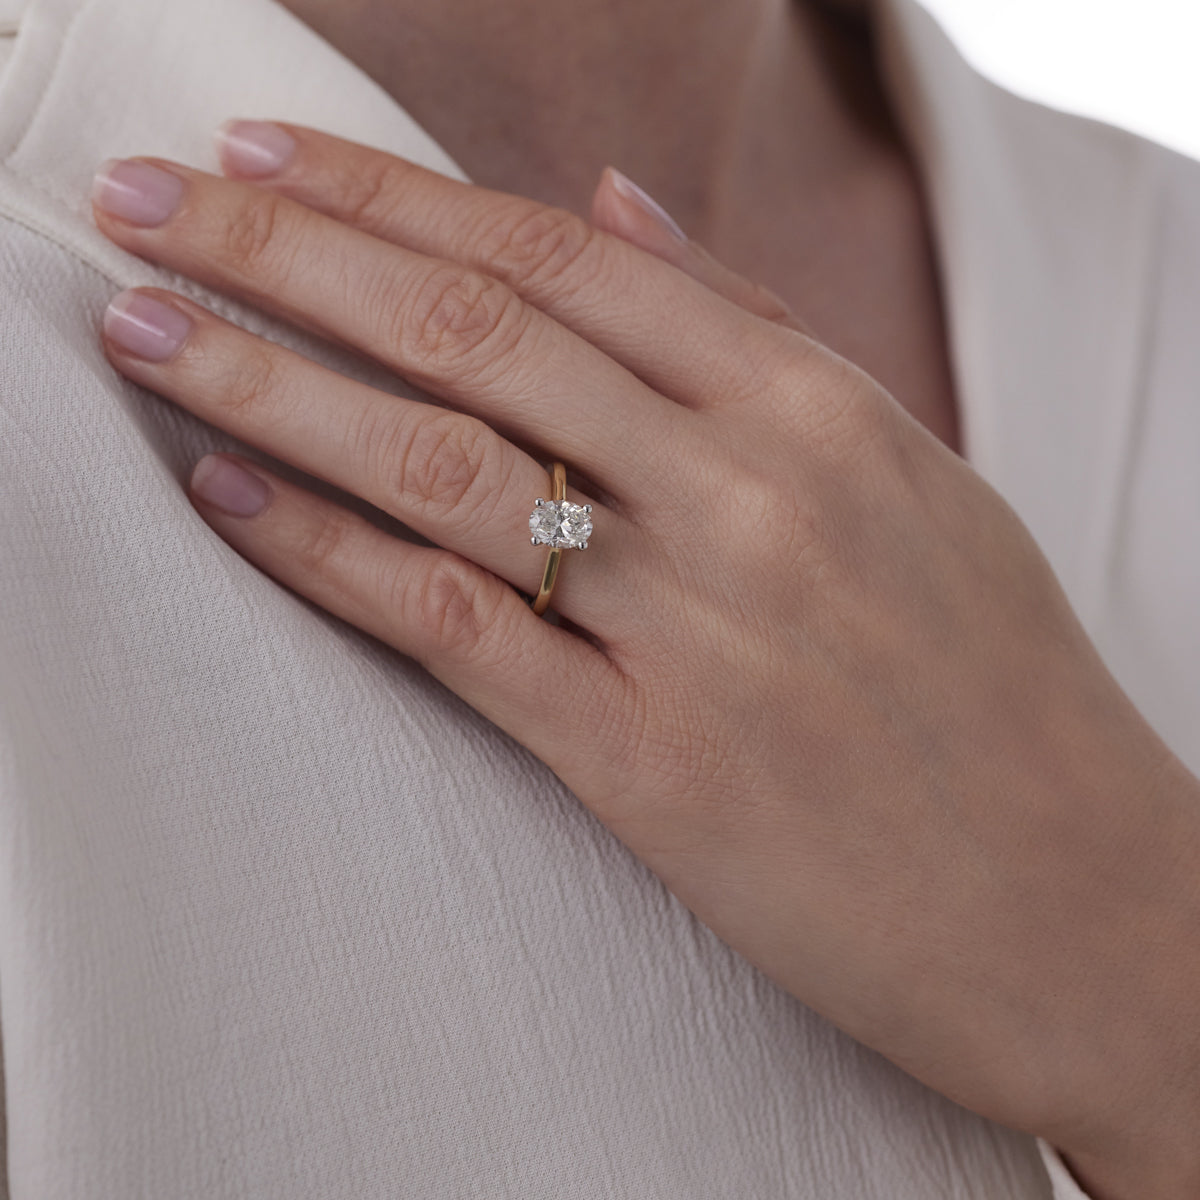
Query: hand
(812,669)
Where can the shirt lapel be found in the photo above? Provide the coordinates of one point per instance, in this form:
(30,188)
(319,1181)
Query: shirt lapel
(1044,226)
(93,79)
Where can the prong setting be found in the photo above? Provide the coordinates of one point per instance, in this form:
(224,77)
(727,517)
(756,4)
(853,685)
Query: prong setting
(560,524)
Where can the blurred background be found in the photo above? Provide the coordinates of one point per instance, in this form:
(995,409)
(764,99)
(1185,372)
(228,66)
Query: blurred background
(1131,64)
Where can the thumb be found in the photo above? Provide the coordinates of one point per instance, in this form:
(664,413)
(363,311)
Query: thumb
(620,207)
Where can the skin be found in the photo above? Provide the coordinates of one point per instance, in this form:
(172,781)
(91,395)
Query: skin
(894,773)
(771,143)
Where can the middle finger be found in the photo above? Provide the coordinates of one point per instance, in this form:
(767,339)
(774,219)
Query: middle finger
(458,333)
(447,475)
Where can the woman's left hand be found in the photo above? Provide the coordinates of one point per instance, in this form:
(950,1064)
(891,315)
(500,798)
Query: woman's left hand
(814,671)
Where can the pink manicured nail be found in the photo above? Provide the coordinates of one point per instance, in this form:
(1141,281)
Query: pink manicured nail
(629,190)
(144,326)
(136,192)
(229,487)
(253,149)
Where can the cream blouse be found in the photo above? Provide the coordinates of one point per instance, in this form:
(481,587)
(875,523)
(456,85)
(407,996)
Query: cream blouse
(282,917)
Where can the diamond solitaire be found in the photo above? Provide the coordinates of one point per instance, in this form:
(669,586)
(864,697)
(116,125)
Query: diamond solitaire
(560,524)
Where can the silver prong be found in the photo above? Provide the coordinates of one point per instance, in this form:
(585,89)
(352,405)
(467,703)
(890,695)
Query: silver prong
(538,502)
(587,508)
(583,545)
(533,541)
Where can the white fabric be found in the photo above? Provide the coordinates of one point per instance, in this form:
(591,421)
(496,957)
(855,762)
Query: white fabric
(279,915)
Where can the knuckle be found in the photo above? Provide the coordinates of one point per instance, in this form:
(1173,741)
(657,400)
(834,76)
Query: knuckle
(320,547)
(777,366)
(372,193)
(438,466)
(252,384)
(542,247)
(456,608)
(831,403)
(455,320)
(250,238)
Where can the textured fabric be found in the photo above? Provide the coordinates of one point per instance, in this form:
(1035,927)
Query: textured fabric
(280,916)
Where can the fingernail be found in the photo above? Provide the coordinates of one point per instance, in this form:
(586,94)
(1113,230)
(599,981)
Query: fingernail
(144,326)
(630,191)
(136,192)
(253,149)
(230,487)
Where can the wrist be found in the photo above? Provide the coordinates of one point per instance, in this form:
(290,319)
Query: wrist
(1133,1132)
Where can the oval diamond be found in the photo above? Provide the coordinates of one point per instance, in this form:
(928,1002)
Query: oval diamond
(564,525)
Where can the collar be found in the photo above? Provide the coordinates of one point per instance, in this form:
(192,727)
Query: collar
(1041,221)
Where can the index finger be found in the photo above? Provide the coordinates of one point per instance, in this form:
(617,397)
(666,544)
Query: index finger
(681,338)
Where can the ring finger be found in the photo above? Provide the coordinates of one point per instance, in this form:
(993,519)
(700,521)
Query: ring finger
(447,475)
